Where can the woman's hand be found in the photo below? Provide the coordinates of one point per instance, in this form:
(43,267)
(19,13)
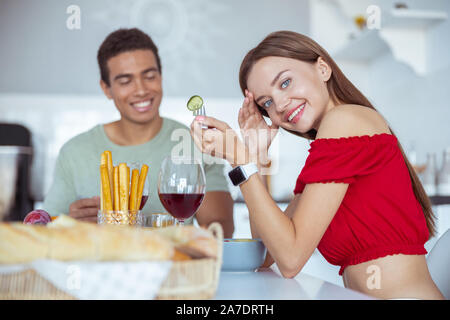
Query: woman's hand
(219,140)
(257,134)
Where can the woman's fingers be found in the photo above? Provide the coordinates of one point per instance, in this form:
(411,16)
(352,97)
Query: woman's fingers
(216,143)
(252,104)
(241,119)
(197,133)
(203,138)
(212,123)
(249,115)
(245,107)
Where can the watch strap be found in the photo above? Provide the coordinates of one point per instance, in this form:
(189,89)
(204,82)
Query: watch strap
(240,174)
(250,169)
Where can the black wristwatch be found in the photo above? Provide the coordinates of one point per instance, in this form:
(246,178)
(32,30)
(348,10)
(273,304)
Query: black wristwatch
(241,174)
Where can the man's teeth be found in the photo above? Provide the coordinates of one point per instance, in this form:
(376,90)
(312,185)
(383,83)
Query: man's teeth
(142,104)
(295,113)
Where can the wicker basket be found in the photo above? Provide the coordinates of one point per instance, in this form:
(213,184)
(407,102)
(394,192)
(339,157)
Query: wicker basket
(187,280)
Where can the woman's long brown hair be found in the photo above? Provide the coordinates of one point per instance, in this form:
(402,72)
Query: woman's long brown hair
(297,46)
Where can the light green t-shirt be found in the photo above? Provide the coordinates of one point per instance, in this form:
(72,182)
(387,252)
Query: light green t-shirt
(77,173)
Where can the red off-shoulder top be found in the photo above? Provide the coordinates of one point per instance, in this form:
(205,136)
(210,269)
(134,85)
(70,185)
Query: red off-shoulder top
(379,214)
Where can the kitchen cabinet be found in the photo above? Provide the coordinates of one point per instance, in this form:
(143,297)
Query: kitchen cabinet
(440,200)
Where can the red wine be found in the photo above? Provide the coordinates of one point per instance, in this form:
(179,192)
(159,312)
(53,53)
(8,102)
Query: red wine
(143,201)
(181,205)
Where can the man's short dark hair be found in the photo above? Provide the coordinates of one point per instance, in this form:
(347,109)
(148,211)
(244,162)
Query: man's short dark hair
(120,41)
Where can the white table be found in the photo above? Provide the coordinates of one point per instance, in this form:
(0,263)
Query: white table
(270,285)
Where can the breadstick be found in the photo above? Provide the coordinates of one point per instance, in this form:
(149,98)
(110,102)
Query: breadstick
(116,189)
(134,189)
(124,185)
(128,179)
(103,161)
(106,188)
(109,164)
(141,184)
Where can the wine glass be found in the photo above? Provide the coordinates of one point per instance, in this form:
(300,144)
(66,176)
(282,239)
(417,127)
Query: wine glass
(144,195)
(181,186)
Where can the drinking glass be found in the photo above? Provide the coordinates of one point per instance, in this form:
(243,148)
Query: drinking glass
(181,186)
(159,220)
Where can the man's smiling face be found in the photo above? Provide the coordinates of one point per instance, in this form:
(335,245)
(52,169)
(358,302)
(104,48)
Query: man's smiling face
(135,85)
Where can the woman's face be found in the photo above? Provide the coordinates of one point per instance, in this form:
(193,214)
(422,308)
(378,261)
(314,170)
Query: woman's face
(294,93)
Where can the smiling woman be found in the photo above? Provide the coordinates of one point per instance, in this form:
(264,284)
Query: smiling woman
(357,198)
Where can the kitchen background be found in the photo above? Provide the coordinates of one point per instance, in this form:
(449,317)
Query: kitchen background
(399,59)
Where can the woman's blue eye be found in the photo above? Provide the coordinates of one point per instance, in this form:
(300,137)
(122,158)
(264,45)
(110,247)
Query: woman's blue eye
(285,83)
(267,103)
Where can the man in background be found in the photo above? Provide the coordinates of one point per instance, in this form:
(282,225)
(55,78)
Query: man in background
(130,70)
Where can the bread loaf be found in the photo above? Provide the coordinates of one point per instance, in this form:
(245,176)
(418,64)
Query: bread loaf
(193,241)
(67,239)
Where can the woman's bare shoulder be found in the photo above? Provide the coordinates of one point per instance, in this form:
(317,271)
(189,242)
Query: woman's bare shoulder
(352,120)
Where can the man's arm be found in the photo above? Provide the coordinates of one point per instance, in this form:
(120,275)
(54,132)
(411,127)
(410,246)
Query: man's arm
(217,206)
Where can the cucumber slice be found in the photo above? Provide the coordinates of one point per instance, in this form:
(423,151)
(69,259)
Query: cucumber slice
(195,103)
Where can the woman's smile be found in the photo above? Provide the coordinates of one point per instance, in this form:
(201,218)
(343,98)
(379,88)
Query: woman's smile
(294,114)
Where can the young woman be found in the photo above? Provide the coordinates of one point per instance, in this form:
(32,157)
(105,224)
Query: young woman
(357,199)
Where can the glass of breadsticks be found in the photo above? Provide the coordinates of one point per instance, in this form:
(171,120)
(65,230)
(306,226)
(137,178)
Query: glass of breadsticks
(122,190)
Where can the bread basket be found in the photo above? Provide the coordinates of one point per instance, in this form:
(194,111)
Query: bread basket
(187,280)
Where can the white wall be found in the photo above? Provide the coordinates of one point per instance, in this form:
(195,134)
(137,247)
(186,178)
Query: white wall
(416,106)
(201,42)
(50,77)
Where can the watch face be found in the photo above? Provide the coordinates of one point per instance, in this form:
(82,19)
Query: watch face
(236,175)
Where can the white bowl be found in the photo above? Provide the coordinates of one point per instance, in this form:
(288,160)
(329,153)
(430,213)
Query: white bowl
(243,254)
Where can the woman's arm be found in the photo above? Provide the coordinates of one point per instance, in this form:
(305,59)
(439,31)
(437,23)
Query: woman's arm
(289,212)
(291,241)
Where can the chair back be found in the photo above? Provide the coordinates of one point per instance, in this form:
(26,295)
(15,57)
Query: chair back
(16,154)
(438,261)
